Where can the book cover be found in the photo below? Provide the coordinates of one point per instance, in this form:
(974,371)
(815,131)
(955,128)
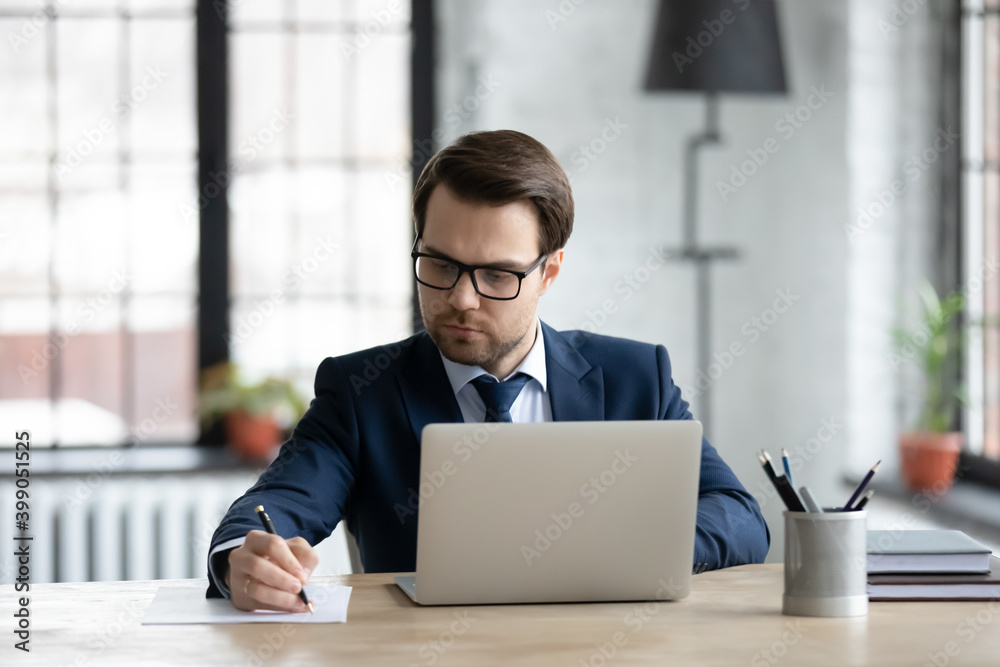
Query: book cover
(925,551)
(936,586)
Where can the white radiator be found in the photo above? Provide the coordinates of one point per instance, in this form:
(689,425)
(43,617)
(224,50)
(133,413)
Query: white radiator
(129,527)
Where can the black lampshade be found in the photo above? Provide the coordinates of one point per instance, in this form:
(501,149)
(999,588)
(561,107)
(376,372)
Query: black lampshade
(715,46)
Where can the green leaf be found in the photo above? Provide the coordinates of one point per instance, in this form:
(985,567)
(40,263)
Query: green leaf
(932,305)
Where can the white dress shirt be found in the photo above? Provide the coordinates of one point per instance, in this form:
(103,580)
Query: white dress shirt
(531,405)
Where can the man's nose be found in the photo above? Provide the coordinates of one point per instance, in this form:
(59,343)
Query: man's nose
(463,295)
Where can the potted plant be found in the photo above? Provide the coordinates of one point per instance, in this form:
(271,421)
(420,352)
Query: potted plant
(929,453)
(255,414)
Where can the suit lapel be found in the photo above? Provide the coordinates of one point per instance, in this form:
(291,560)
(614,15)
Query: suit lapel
(426,390)
(576,389)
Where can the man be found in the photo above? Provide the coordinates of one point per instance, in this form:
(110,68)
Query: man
(493,212)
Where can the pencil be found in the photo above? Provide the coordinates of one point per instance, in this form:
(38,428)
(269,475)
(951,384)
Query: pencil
(785,490)
(861,487)
(864,501)
(787,465)
(794,500)
(269,527)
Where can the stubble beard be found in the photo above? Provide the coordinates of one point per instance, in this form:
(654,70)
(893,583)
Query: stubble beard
(485,352)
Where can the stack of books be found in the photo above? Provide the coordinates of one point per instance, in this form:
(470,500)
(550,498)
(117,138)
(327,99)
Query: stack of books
(930,565)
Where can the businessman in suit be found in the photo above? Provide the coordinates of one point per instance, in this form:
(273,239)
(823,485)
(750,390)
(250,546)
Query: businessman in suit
(493,212)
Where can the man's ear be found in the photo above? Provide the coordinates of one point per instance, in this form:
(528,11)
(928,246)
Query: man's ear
(552,266)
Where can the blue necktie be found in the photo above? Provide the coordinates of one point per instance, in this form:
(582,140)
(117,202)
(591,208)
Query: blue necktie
(499,396)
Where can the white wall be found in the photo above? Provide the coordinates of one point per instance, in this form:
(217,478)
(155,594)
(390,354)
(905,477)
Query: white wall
(561,80)
(893,119)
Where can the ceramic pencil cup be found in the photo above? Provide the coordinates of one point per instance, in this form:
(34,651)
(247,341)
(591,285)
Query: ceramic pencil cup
(825,564)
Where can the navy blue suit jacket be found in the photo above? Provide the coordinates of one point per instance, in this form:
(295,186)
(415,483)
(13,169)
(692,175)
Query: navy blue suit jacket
(355,454)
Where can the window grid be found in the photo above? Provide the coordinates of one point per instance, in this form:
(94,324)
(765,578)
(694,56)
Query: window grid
(40,356)
(981,220)
(339,301)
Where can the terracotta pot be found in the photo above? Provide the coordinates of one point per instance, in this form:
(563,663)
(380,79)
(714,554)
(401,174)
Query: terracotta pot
(928,460)
(251,436)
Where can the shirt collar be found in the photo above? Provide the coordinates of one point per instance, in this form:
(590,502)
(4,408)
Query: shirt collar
(533,365)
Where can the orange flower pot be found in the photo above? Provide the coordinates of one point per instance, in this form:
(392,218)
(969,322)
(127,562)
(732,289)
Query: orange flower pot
(928,460)
(251,436)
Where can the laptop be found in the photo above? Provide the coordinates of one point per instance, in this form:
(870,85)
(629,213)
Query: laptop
(556,512)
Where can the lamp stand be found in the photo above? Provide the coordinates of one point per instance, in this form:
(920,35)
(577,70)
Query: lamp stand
(702,256)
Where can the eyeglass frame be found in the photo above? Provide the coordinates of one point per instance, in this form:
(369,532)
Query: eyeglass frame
(471,270)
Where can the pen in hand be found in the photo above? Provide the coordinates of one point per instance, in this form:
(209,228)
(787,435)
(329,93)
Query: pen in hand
(269,527)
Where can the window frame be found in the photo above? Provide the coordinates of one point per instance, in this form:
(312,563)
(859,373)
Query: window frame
(974,466)
(215,299)
(212,105)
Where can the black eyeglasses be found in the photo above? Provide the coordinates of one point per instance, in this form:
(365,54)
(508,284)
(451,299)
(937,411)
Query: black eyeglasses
(443,273)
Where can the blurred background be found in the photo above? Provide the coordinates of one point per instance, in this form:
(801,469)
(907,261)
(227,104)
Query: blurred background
(200,200)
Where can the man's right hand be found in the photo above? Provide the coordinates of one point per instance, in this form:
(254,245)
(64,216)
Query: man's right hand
(268,571)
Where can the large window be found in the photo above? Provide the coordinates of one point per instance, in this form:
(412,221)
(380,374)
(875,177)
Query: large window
(97,288)
(320,131)
(98,181)
(981,218)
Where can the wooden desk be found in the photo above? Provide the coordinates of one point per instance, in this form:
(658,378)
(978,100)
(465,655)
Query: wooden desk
(732,617)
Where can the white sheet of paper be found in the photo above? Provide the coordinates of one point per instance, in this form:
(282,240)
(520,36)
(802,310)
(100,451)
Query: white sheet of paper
(186,605)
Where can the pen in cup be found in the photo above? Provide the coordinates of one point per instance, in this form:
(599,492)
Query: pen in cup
(864,501)
(861,487)
(785,490)
(810,502)
(787,466)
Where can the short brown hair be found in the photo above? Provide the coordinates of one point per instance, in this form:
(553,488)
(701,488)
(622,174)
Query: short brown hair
(497,168)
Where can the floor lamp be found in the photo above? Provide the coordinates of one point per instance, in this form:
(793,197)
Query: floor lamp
(711,47)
